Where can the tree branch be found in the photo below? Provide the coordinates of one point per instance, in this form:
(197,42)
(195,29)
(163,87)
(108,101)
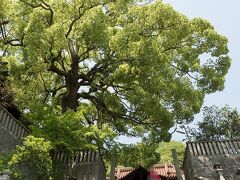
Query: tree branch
(53,67)
(43,5)
(13,42)
(80,14)
(50,9)
(54,91)
(75,19)
(56,70)
(186,72)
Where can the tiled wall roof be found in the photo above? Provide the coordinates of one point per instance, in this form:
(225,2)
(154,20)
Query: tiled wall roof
(214,147)
(76,156)
(122,172)
(12,125)
(163,170)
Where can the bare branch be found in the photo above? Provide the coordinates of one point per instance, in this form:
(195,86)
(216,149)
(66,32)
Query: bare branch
(13,42)
(54,91)
(56,70)
(4,22)
(43,5)
(50,9)
(31,5)
(75,19)
(53,67)
(2,26)
(85,55)
(80,14)
(186,72)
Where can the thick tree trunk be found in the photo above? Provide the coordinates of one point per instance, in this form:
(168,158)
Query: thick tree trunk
(70,99)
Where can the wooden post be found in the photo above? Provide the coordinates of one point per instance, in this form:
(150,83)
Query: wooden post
(186,132)
(113,164)
(176,164)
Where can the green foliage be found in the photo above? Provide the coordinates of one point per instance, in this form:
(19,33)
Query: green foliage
(4,159)
(140,154)
(119,67)
(165,150)
(217,123)
(3,70)
(145,154)
(6,98)
(32,160)
(138,66)
(68,130)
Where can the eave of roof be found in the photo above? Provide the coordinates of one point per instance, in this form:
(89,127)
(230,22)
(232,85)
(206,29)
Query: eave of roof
(122,172)
(163,170)
(215,147)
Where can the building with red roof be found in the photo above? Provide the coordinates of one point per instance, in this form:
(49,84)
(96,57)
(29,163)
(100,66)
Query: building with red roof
(158,171)
(165,171)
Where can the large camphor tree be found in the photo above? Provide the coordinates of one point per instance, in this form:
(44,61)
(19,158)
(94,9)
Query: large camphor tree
(134,68)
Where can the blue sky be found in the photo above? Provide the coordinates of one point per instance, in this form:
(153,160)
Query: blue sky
(224,15)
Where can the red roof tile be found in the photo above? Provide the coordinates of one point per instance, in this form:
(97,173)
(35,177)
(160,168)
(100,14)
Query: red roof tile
(121,172)
(164,170)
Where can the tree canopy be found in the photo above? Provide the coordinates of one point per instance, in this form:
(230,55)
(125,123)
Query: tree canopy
(217,123)
(165,151)
(6,97)
(6,93)
(134,68)
(135,155)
